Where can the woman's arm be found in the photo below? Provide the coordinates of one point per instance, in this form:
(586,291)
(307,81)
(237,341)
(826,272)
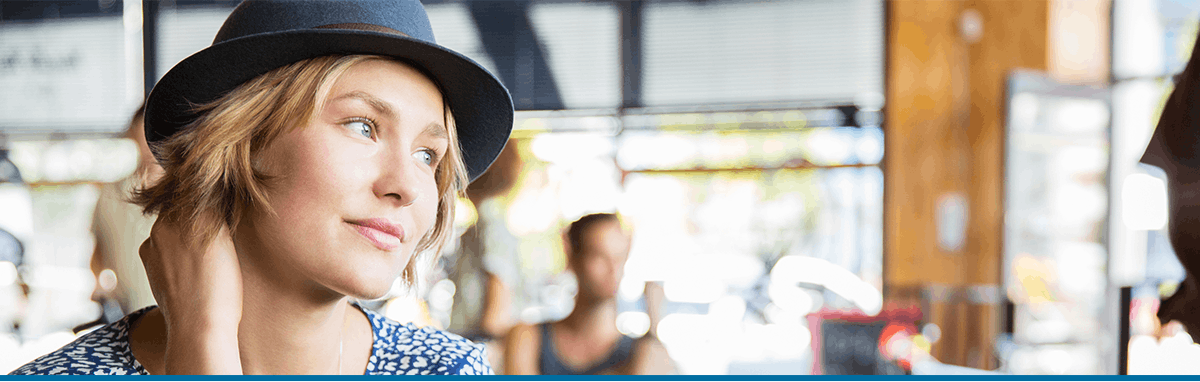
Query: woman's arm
(650,357)
(496,304)
(649,354)
(521,350)
(199,290)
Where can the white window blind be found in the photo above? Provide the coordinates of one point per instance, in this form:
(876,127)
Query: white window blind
(704,52)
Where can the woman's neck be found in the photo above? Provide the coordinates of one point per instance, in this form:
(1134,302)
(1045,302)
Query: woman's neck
(291,326)
(290,334)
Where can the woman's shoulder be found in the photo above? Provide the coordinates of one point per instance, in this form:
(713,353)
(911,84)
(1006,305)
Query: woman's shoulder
(104,351)
(408,349)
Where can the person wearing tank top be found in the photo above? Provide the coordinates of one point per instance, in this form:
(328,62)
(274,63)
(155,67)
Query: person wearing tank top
(587,340)
(549,362)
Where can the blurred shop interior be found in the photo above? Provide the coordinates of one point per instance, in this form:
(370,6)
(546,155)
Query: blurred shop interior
(814,186)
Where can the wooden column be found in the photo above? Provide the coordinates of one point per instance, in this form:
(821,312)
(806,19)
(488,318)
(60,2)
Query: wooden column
(945,138)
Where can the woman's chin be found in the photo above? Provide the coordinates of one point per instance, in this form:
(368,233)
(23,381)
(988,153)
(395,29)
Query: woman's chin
(369,296)
(366,288)
(366,294)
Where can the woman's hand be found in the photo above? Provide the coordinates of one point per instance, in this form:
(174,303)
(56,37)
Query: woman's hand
(199,290)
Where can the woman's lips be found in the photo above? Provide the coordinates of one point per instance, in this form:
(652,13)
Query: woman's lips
(383,234)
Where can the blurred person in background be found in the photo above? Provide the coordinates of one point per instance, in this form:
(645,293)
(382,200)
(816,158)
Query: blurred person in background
(1175,148)
(120,227)
(587,340)
(14,293)
(14,297)
(485,270)
(295,180)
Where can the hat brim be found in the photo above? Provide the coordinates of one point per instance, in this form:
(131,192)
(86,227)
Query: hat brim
(483,109)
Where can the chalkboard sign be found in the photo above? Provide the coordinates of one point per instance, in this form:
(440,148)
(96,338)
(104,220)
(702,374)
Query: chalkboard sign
(852,348)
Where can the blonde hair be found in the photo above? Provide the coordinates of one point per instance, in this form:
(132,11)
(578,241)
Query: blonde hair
(211,177)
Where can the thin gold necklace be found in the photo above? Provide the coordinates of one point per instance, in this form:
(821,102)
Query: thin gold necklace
(341,342)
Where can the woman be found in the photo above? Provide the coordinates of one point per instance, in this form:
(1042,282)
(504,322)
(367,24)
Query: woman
(309,155)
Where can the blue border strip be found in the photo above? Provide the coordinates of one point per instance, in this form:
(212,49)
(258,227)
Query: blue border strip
(618,378)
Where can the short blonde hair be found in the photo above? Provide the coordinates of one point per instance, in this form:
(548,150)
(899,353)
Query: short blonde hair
(211,177)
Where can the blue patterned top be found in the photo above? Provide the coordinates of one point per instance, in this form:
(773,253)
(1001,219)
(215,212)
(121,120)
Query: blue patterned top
(398,349)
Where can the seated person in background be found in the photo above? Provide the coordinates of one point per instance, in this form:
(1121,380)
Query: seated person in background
(120,228)
(587,340)
(1175,147)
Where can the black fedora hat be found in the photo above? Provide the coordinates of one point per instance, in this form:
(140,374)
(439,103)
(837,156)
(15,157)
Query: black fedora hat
(261,35)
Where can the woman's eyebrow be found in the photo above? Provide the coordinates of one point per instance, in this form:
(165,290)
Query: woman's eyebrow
(436,130)
(376,103)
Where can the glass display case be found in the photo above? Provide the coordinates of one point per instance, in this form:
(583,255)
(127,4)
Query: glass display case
(1056,225)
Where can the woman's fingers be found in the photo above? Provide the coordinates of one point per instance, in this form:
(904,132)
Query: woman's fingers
(149,255)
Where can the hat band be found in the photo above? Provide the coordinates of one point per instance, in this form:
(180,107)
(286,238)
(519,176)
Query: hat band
(363,27)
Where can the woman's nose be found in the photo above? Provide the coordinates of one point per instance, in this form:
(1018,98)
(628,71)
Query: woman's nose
(399,180)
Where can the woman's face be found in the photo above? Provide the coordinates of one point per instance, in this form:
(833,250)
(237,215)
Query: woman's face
(354,191)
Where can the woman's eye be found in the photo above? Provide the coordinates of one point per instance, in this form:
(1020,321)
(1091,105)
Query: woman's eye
(425,156)
(361,127)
